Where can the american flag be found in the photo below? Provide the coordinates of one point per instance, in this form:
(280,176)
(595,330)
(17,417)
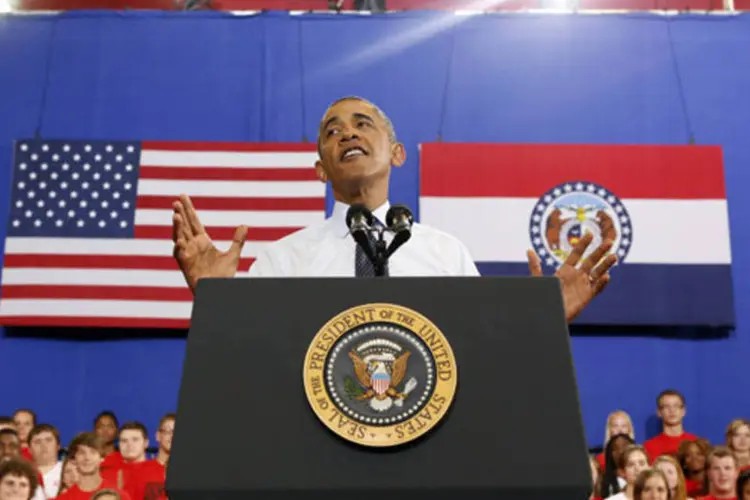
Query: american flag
(89,234)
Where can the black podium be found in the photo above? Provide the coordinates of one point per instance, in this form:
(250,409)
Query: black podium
(251,420)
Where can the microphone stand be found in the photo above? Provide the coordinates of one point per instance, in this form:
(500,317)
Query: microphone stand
(380,258)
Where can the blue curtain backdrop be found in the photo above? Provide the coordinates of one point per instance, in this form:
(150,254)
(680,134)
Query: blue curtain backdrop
(642,79)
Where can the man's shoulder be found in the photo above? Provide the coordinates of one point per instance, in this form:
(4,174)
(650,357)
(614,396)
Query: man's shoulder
(435,235)
(300,237)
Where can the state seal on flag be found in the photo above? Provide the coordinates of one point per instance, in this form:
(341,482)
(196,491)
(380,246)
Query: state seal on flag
(380,375)
(568,211)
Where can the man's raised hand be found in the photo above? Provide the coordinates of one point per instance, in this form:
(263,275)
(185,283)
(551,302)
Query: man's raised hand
(195,252)
(580,284)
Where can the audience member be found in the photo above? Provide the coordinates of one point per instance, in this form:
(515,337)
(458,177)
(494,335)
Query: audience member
(10,449)
(44,441)
(633,461)
(613,477)
(70,474)
(738,440)
(105,426)
(692,457)
(87,451)
(675,478)
(24,420)
(743,486)
(7,423)
(147,480)
(722,472)
(618,422)
(18,479)
(671,409)
(107,495)
(596,478)
(651,484)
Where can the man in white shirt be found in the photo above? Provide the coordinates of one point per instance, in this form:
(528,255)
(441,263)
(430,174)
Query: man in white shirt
(357,148)
(44,441)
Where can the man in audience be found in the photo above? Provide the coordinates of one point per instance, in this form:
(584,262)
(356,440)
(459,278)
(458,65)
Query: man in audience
(87,450)
(133,444)
(44,441)
(148,477)
(10,449)
(670,406)
(17,479)
(722,472)
(105,426)
(24,420)
(6,423)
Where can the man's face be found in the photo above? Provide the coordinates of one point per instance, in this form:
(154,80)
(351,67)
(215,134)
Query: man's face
(44,448)
(164,435)
(671,410)
(133,445)
(10,447)
(24,422)
(722,474)
(106,429)
(14,487)
(355,147)
(87,460)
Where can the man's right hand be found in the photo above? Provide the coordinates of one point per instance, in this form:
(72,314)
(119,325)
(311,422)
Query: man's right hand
(195,252)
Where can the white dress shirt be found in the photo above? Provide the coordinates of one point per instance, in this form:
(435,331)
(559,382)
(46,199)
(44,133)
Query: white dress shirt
(52,480)
(327,249)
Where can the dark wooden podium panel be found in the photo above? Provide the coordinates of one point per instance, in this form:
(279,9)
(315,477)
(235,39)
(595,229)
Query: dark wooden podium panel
(246,428)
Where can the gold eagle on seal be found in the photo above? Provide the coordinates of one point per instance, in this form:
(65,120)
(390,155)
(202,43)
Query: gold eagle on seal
(379,379)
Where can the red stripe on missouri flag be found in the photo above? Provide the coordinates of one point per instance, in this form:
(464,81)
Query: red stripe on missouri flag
(89,238)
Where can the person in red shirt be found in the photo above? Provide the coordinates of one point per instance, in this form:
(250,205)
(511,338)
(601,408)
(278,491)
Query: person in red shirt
(738,440)
(743,486)
(87,451)
(105,426)
(671,409)
(722,472)
(24,420)
(147,480)
(692,457)
(618,422)
(133,442)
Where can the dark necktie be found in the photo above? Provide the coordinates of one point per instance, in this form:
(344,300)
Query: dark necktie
(363,266)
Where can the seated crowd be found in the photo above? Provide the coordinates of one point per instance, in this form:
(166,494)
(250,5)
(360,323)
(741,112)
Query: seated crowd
(32,466)
(675,465)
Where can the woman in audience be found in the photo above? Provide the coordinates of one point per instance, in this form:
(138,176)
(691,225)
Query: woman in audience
(18,479)
(652,484)
(692,457)
(675,478)
(618,422)
(69,475)
(743,486)
(633,461)
(738,440)
(596,477)
(612,479)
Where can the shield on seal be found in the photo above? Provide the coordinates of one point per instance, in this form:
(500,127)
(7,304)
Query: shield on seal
(380,382)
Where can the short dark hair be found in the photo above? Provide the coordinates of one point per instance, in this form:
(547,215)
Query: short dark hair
(9,432)
(167,417)
(107,413)
(669,392)
(20,467)
(742,480)
(44,428)
(721,452)
(135,426)
(88,439)
(105,492)
(6,420)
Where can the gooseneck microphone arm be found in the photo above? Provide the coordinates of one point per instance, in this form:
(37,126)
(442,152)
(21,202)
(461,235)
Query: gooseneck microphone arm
(361,223)
(400,220)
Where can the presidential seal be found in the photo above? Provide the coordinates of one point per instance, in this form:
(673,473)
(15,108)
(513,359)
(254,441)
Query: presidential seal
(568,211)
(380,375)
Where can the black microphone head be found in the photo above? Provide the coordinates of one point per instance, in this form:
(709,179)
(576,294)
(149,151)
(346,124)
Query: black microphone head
(400,212)
(358,210)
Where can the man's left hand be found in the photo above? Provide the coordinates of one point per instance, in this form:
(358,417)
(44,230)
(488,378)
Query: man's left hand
(580,284)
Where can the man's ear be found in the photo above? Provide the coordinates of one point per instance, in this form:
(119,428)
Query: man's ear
(398,154)
(321,171)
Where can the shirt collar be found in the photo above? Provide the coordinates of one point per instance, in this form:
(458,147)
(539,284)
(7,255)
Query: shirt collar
(338,217)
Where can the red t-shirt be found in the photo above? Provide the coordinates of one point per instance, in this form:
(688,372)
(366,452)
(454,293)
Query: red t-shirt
(146,481)
(26,453)
(693,487)
(666,445)
(76,493)
(600,459)
(110,467)
(711,497)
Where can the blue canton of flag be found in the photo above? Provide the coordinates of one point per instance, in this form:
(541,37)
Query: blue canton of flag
(74,189)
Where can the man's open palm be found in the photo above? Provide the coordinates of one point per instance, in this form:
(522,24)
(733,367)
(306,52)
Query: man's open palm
(580,284)
(195,252)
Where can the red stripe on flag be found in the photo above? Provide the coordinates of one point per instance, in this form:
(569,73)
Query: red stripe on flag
(146,262)
(228,174)
(217,233)
(86,292)
(269,147)
(207,203)
(530,170)
(92,321)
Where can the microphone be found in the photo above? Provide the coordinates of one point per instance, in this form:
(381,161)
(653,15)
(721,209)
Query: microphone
(359,219)
(399,220)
